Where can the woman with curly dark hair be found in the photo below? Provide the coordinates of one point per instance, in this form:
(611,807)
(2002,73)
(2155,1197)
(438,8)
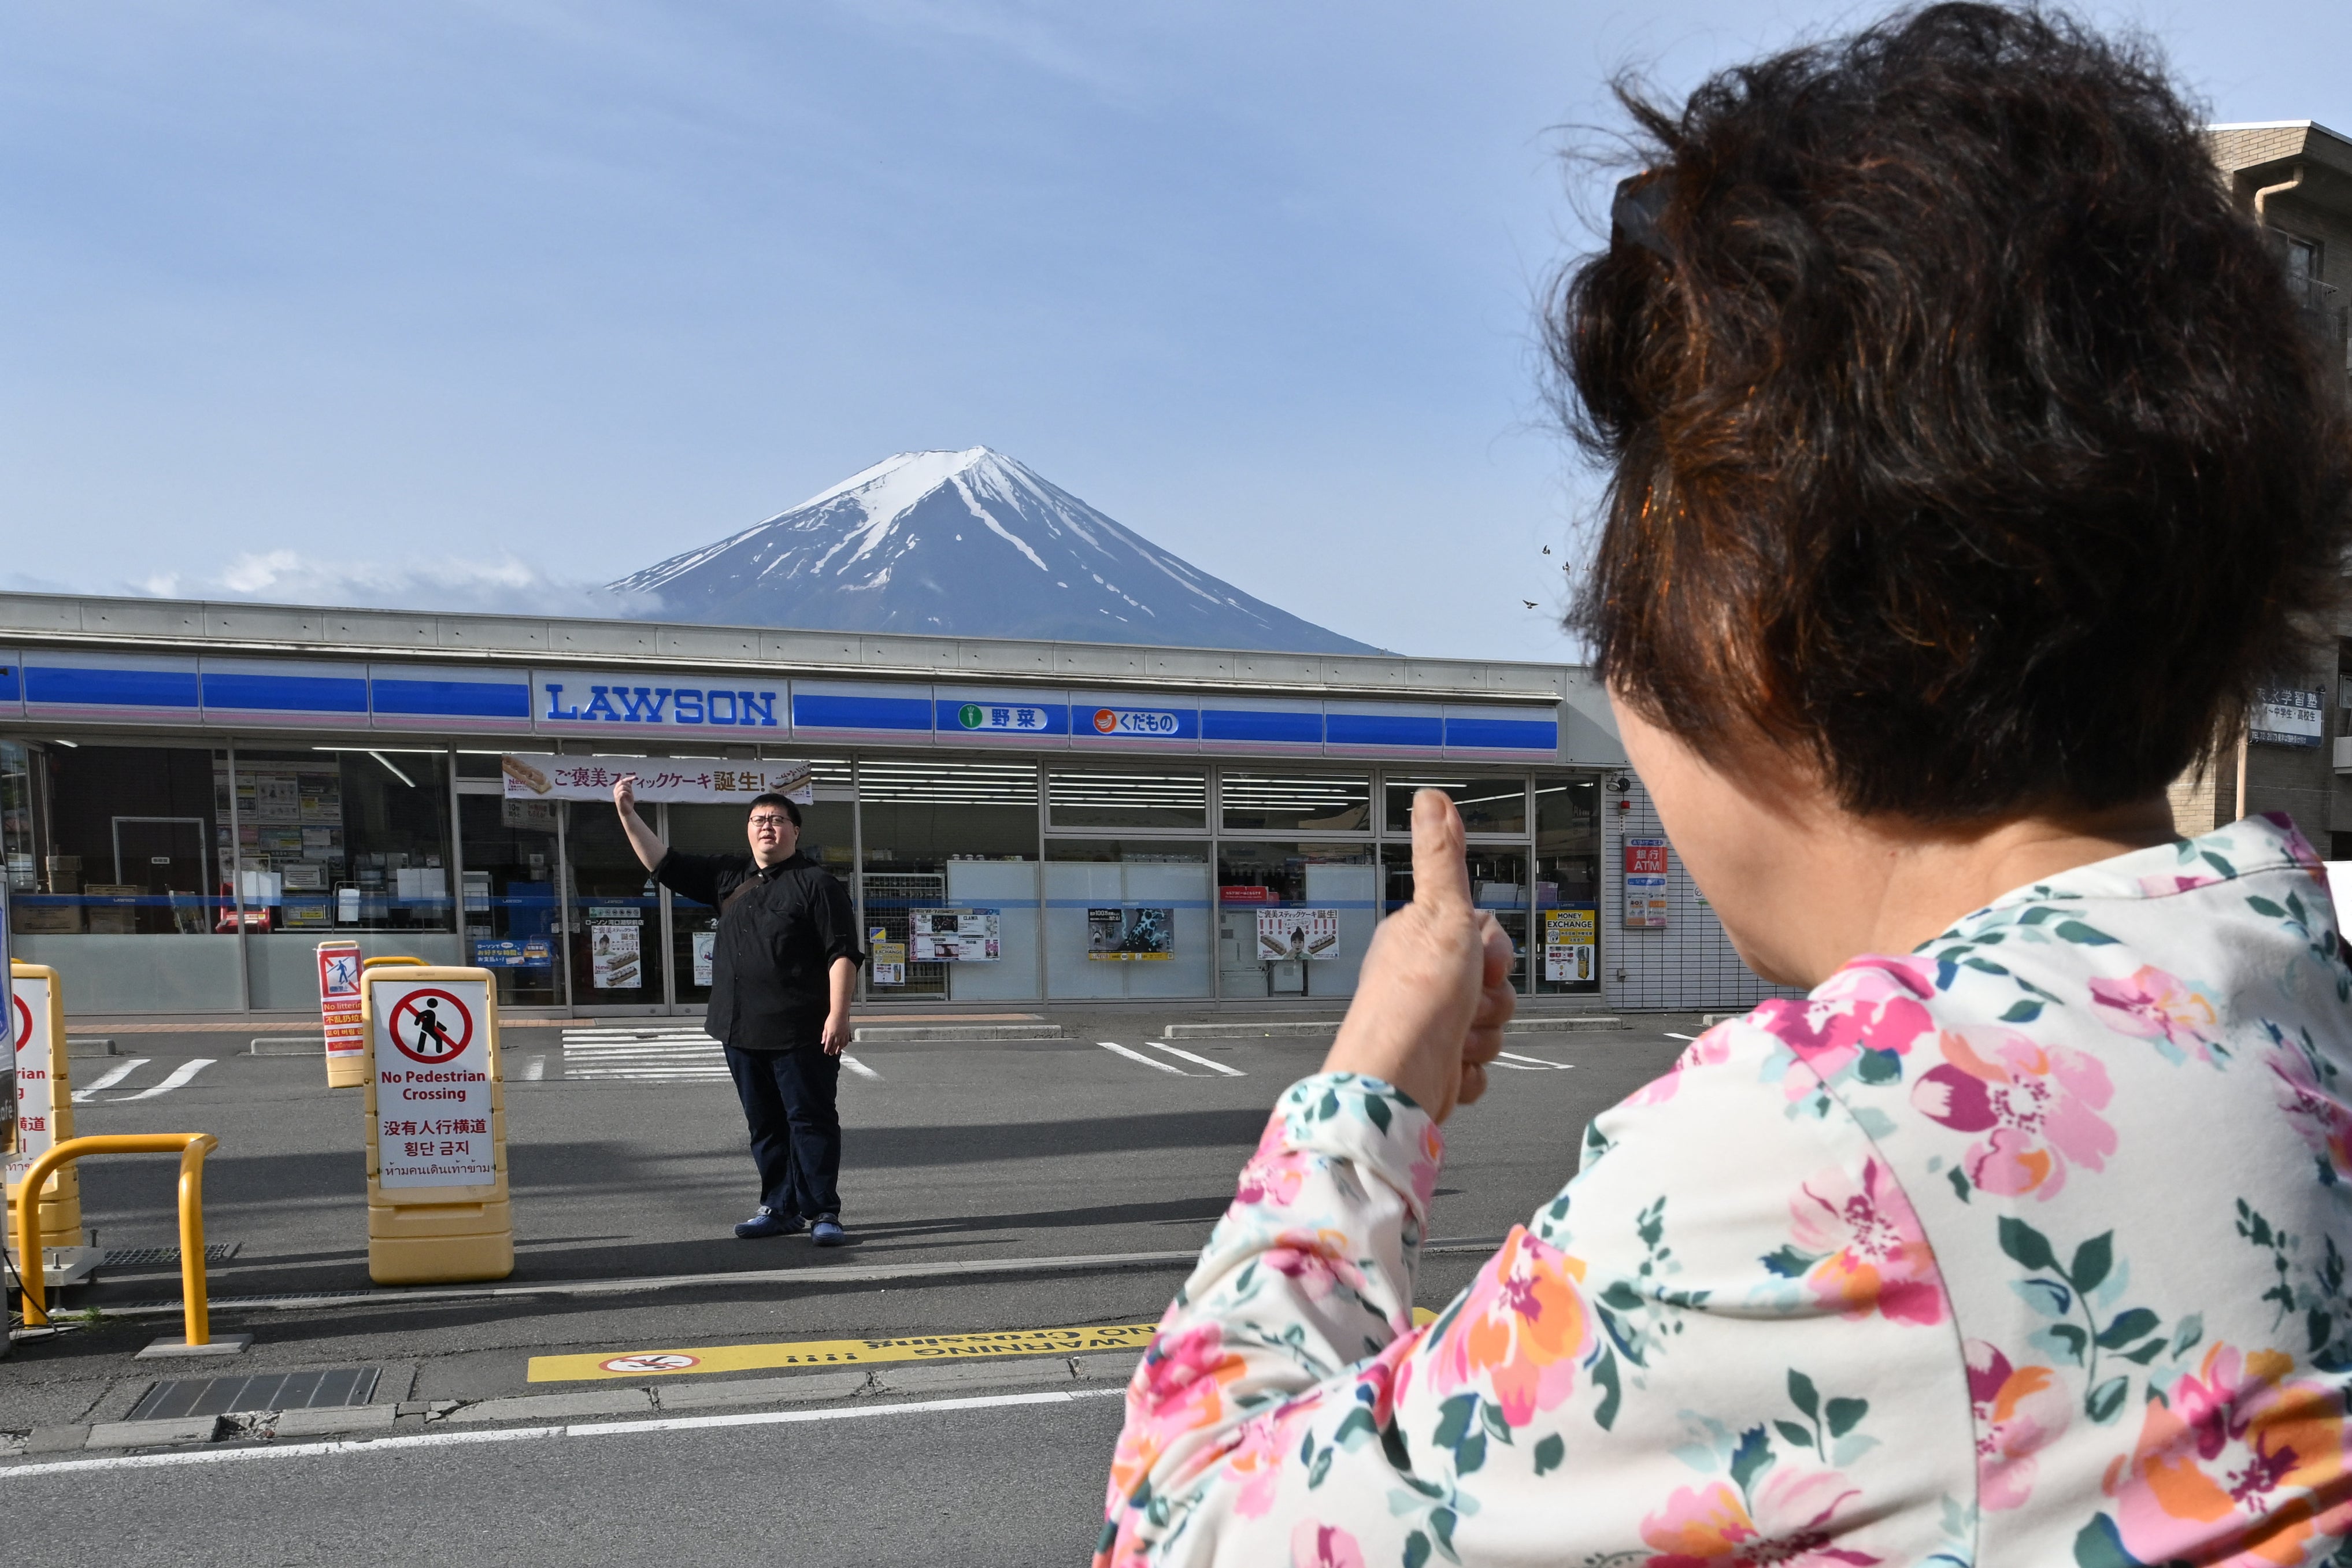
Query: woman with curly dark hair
(1970,467)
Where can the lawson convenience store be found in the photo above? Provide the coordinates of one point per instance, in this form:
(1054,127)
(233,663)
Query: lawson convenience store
(193,795)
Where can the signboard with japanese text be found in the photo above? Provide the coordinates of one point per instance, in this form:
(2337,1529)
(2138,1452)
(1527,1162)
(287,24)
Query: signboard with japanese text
(1646,857)
(1298,934)
(953,937)
(29,1020)
(1645,902)
(433,1066)
(2285,716)
(338,1013)
(676,779)
(1569,943)
(512,953)
(886,960)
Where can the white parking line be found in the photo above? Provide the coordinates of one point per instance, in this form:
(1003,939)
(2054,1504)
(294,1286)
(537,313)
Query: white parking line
(1204,1062)
(859,1068)
(110,1080)
(1138,1056)
(1535,1063)
(1672,1035)
(179,1076)
(522,1434)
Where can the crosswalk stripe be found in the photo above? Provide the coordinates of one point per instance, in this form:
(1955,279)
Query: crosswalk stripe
(1204,1062)
(662,1054)
(1138,1056)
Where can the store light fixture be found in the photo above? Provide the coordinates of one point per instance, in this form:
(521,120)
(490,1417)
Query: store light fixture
(69,744)
(396,772)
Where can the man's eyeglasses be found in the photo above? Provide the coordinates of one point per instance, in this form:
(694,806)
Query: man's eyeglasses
(778,823)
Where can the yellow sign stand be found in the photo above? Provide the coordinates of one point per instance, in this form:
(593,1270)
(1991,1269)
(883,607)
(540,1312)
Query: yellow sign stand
(45,1088)
(438,1210)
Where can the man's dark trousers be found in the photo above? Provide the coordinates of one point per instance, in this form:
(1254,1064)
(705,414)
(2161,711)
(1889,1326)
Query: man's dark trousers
(789,1100)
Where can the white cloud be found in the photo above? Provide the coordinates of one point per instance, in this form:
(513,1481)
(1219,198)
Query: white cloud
(501,585)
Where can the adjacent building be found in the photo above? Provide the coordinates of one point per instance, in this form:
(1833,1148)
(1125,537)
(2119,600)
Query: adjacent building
(2295,178)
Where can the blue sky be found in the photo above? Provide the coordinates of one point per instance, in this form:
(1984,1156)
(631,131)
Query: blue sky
(465,304)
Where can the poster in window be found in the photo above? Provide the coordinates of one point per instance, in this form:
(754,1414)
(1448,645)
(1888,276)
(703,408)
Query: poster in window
(954,936)
(1131,934)
(706,943)
(1646,902)
(1298,935)
(886,960)
(614,957)
(1567,944)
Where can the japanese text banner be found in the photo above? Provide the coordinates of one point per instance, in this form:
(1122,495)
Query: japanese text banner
(681,781)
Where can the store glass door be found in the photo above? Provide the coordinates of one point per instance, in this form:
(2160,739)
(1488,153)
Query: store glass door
(508,896)
(614,944)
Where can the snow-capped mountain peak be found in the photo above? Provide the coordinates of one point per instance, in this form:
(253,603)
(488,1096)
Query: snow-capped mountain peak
(973,543)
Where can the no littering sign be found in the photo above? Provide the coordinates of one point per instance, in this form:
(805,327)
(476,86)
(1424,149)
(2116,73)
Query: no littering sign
(624,1364)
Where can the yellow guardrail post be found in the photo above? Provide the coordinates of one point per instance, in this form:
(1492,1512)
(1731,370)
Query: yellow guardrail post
(367,964)
(195,1306)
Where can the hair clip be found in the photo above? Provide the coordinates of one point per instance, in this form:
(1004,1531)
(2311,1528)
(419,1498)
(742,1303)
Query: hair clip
(1641,201)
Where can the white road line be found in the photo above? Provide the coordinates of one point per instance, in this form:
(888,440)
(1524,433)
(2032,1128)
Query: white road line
(1138,1056)
(179,1076)
(1219,1066)
(110,1080)
(526,1434)
(1539,1062)
(1672,1035)
(535,1068)
(859,1068)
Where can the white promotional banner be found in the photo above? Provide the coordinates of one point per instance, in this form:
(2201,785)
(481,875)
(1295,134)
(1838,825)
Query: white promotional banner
(680,780)
(29,1007)
(1293,934)
(954,937)
(433,1082)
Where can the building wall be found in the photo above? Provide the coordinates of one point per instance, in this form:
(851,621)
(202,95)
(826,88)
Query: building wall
(1690,966)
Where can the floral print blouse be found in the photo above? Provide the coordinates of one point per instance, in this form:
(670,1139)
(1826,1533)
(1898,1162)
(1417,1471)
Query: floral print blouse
(2029,1247)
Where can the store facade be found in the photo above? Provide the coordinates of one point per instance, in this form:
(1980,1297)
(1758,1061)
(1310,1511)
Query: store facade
(193,796)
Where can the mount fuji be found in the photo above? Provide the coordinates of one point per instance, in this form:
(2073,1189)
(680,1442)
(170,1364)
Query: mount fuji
(968,543)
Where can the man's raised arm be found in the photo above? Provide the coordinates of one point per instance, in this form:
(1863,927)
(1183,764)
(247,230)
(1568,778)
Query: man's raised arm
(642,838)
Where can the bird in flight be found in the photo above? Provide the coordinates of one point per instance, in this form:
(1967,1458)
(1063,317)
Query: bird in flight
(1528,602)
(1546,550)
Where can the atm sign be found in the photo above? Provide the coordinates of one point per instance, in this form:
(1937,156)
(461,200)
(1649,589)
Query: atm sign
(1133,721)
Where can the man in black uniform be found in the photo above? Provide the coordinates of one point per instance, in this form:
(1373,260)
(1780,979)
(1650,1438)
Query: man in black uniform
(781,970)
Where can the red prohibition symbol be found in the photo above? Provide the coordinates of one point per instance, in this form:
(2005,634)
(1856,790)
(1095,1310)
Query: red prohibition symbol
(23,1020)
(431,1026)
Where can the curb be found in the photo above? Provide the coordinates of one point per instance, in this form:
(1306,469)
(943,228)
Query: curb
(1304,1028)
(874,1034)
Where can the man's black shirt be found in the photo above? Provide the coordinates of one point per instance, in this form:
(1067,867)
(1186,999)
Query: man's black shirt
(780,930)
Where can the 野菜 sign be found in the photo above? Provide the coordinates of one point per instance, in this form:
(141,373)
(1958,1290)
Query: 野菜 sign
(1001,719)
(1298,934)
(679,780)
(2285,716)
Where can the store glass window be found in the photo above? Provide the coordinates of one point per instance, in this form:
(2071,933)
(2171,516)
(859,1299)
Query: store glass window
(950,878)
(1497,805)
(1293,918)
(506,896)
(1498,876)
(1294,803)
(331,842)
(827,837)
(1118,800)
(1566,891)
(117,875)
(1127,918)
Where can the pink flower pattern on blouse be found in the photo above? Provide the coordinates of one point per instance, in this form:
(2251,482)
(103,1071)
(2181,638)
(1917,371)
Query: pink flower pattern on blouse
(2017,1248)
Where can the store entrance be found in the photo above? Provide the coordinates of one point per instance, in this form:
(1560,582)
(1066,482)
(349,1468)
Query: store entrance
(613,941)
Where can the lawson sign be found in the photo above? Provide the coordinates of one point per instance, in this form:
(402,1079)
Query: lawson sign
(600,702)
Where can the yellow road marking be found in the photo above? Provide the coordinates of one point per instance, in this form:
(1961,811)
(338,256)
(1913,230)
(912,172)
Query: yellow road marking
(605,1365)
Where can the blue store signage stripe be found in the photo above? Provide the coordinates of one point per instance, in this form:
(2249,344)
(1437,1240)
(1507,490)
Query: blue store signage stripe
(1384,729)
(1259,725)
(286,694)
(812,710)
(66,687)
(453,699)
(1503,734)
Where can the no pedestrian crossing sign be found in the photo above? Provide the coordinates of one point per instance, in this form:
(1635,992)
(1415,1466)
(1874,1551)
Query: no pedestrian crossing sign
(432,1064)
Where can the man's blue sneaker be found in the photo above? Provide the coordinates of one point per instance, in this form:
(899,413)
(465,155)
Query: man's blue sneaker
(828,1232)
(768,1222)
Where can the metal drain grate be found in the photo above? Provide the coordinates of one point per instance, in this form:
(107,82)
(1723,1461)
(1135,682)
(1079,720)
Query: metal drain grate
(329,1388)
(164,1256)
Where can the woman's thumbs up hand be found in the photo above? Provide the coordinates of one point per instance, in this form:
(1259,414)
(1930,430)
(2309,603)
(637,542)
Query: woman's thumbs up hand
(1435,990)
